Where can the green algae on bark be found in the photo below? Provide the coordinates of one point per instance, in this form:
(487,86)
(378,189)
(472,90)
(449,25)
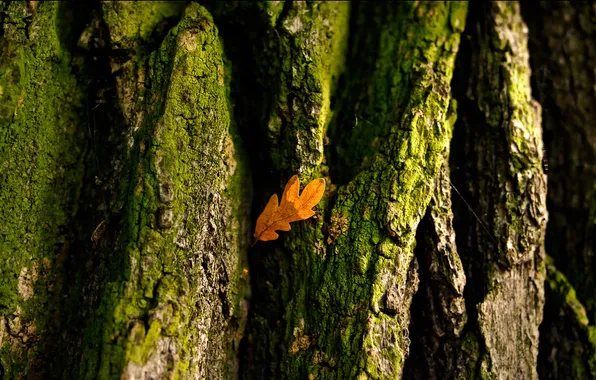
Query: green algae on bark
(177,298)
(42,136)
(297,54)
(134,23)
(373,258)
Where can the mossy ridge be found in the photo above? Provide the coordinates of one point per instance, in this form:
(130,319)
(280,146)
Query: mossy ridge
(42,144)
(440,301)
(183,220)
(336,291)
(361,119)
(311,41)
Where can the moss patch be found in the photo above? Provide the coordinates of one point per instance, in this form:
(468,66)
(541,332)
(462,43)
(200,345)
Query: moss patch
(180,257)
(42,137)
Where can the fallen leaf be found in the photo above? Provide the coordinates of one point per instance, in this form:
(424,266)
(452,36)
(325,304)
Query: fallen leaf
(292,208)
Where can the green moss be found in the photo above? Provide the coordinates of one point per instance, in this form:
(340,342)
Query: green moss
(562,288)
(337,288)
(141,344)
(133,23)
(41,147)
(184,166)
(582,355)
(309,57)
(592,350)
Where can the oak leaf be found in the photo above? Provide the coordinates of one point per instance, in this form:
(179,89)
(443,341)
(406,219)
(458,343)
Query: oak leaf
(292,208)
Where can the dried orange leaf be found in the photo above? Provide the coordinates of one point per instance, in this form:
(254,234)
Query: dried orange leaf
(293,207)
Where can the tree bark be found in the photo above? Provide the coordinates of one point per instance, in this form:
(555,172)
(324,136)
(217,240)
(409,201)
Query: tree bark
(42,149)
(139,142)
(563,51)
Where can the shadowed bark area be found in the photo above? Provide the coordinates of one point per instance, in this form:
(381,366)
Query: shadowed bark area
(502,250)
(567,341)
(438,310)
(563,56)
(563,52)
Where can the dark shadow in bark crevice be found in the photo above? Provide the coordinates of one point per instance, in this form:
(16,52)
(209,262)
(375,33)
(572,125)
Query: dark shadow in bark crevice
(561,53)
(466,222)
(463,218)
(90,258)
(436,337)
(249,41)
(417,364)
(354,127)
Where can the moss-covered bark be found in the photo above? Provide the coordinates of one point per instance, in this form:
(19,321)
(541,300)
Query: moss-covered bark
(567,341)
(498,169)
(175,303)
(370,277)
(169,293)
(439,309)
(332,298)
(41,149)
(132,141)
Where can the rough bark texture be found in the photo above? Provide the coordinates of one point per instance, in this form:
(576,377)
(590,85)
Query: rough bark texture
(500,217)
(41,166)
(170,298)
(138,140)
(502,251)
(175,304)
(439,309)
(332,298)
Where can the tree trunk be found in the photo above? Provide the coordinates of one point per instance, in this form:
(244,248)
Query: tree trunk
(563,52)
(139,142)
